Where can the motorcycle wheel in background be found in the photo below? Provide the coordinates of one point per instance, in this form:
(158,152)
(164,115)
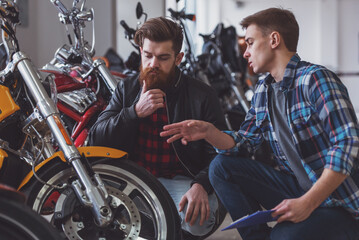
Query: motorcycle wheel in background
(18,221)
(141,206)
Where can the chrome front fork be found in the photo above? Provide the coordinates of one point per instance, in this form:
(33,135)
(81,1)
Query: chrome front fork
(94,196)
(106,74)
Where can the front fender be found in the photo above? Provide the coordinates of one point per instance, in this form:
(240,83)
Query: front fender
(87,151)
(3,155)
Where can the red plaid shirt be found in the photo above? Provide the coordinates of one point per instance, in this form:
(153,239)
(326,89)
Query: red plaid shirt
(154,153)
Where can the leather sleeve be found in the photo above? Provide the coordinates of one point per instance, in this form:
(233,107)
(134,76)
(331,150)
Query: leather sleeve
(212,112)
(115,123)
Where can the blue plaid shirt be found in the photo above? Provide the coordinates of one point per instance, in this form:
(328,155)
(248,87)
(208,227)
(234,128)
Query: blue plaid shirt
(323,124)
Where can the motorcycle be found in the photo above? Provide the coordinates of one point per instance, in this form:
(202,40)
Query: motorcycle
(134,60)
(85,192)
(191,65)
(84,85)
(227,72)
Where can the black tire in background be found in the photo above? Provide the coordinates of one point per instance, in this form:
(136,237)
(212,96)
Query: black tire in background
(158,214)
(18,221)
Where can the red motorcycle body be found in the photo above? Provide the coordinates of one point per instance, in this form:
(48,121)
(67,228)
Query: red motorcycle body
(79,103)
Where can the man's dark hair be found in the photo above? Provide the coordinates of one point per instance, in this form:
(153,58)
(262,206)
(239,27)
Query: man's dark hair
(276,19)
(160,29)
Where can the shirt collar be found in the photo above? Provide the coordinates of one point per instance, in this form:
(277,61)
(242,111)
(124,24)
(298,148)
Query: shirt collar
(289,73)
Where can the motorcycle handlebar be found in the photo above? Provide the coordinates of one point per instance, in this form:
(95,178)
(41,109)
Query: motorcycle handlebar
(81,15)
(85,15)
(181,14)
(60,6)
(191,17)
(130,31)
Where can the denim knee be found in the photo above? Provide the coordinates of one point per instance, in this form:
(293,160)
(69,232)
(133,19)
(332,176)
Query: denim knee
(197,229)
(221,167)
(216,169)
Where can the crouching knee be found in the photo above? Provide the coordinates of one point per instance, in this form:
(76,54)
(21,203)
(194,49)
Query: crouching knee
(200,230)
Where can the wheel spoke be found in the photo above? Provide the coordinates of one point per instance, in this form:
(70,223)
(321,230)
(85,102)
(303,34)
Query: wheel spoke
(128,190)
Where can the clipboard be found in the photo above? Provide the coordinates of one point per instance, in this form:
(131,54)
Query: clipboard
(258,217)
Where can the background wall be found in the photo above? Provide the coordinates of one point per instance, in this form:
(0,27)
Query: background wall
(348,47)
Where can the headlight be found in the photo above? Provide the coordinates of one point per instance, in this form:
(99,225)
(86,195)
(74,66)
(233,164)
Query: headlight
(66,54)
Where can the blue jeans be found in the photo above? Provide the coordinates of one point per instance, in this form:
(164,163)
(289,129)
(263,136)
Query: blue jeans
(177,187)
(245,186)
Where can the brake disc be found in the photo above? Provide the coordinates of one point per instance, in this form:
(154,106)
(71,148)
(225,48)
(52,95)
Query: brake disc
(126,222)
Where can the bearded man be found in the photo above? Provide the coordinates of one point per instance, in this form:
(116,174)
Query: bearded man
(161,94)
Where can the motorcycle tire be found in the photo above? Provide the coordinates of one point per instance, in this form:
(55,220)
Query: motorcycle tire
(18,221)
(139,192)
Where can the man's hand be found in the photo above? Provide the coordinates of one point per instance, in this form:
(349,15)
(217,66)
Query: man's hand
(197,199)
(188,130)
(293,210)
(194,130)
(149,101)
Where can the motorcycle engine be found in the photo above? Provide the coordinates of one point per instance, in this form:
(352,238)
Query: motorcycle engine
(80,100)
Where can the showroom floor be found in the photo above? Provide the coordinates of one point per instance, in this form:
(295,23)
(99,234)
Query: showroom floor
(225,235)
(228,234)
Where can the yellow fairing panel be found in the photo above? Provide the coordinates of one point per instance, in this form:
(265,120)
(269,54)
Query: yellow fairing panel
(3,155)
(102,152)
(7,103)
(87,151)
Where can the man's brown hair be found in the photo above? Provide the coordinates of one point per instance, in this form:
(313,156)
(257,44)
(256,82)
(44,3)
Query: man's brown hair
(160,29)
(276,19)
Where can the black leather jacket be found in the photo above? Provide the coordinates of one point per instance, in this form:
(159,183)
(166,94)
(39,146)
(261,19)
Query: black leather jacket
(117,125)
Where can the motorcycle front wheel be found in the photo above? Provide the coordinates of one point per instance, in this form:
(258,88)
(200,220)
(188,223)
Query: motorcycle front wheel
(141,206)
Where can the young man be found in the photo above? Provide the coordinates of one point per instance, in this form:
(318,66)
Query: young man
(159,95)
(305,113)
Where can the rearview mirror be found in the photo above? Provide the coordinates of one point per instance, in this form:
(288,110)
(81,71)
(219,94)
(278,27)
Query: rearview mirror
(139,10)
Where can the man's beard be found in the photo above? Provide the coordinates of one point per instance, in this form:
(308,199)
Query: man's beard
(159,80)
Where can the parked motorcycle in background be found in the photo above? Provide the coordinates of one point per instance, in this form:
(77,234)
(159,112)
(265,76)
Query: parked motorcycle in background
(84,85)
(191,65)
(227,73)
(133,61)
(87,192)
